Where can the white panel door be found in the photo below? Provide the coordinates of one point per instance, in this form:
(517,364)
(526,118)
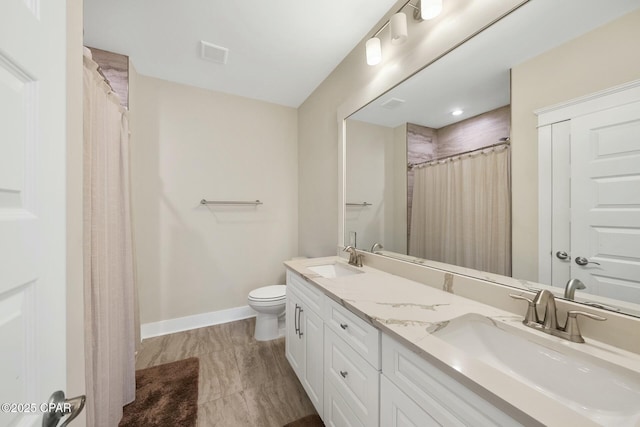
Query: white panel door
(605,202)
(32,204)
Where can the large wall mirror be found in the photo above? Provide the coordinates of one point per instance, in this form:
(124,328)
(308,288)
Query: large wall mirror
(430,175)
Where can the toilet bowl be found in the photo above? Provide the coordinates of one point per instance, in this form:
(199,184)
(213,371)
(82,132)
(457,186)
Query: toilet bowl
(269,302)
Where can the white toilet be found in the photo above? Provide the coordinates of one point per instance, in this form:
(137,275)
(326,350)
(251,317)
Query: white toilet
(269,302)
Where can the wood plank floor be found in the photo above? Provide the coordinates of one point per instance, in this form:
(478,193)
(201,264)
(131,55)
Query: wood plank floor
(243,382)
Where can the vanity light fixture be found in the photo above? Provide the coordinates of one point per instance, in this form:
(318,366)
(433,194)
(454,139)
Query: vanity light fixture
(457,112)
(424,9)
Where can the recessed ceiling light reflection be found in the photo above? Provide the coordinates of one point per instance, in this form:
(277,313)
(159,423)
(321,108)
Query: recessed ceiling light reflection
(456,112)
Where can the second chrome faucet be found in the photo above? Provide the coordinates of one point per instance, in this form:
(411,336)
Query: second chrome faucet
(571,287)
(354,258)
(549,321)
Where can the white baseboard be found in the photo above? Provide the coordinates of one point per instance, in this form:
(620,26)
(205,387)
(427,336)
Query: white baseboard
(164,327)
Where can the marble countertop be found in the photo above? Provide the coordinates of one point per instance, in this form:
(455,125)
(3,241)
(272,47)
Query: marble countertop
(411,312)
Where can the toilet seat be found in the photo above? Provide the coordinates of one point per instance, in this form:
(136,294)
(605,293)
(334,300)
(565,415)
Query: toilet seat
(274,293)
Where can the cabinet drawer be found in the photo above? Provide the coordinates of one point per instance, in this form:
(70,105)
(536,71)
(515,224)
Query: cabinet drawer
(336,411)
(354,379)
(363,337)
(442,397)
(309,295)
(398,410)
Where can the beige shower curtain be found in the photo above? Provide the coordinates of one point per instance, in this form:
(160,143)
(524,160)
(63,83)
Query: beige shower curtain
(110,305)
(461,211)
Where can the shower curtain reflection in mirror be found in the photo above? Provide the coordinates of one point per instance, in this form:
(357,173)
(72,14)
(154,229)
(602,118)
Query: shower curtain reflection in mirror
(461,210)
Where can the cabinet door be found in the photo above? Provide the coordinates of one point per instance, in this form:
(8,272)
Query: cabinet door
(312,330)
(398,410)
(337,413)
(294,343)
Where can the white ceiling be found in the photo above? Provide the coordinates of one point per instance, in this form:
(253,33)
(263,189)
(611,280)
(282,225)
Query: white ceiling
(280,50)
(475,76)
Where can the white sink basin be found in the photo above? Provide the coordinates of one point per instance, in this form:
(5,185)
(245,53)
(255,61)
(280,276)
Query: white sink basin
(604,392)
(334,270)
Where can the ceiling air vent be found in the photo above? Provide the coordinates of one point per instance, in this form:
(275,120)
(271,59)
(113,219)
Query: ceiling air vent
(213,53)
(392,103)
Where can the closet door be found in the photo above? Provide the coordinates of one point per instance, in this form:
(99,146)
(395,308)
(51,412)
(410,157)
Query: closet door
(605,202)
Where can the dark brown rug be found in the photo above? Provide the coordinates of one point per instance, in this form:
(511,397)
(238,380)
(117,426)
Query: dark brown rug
(308,421)
(166,395)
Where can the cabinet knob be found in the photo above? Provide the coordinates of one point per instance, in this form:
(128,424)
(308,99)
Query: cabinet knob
(344,374)
(344,325)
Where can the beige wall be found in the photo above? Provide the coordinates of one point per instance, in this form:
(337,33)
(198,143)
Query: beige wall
(376,161)
(351,85)
(603,58)
(75,285)
(369,179)
(189,144)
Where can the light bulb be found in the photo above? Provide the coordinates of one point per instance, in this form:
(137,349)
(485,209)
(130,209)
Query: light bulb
(429,9)
(374,51)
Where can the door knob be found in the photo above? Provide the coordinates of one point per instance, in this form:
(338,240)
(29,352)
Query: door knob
(583,261)
(59,406)
(562,255)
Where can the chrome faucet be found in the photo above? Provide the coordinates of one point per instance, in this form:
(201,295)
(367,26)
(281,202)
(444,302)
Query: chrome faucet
(571,287)
(376,246)
(546,299)
(549,323)
(354,258)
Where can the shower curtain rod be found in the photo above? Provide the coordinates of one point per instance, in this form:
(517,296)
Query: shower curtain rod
(412,165)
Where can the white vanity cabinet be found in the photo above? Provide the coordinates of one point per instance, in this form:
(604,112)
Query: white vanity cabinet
(305,336)
(335,354)
(435,397)
(358,377)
